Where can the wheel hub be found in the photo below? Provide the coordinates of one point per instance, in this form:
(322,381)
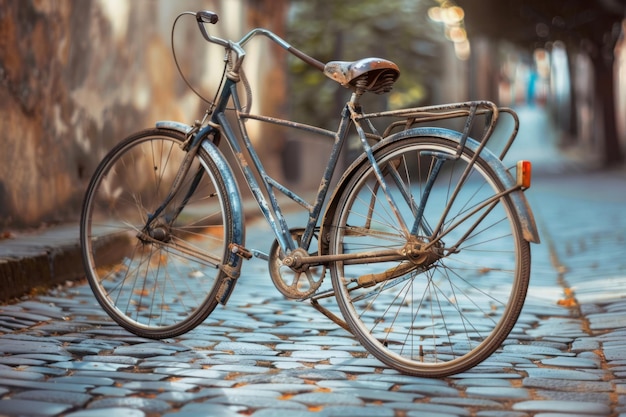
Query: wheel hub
(418,251)
(159,232)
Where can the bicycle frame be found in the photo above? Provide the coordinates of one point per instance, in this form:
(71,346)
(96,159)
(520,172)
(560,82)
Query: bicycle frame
(269,206)
(430,213)
(219,126)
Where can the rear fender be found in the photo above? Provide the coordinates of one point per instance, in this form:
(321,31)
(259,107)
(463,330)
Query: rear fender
(520,204)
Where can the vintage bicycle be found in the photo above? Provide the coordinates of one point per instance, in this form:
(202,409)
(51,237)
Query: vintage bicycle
(425,236)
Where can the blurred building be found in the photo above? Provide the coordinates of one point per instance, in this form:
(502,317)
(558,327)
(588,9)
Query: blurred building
(581,46)
(620,84)
(78,76)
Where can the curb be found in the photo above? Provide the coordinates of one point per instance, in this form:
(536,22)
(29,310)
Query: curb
(40,260)
(37,261)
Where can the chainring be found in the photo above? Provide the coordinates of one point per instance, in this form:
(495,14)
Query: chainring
(295,283)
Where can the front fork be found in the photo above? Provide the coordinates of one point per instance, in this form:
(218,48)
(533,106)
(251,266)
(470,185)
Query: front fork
(191,145)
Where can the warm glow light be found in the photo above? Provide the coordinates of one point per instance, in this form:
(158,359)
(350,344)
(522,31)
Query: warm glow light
(434,13)
(462,50)
(457,34)
(452,17)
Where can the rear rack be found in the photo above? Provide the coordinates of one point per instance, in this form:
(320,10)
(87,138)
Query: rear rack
(470,110)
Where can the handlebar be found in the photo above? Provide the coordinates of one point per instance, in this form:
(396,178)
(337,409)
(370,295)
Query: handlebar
(205,16)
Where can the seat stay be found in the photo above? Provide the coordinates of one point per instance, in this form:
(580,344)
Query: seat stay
(367,149)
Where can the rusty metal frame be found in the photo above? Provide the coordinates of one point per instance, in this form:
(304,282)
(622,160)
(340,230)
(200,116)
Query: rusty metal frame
(265,188)
(409,118)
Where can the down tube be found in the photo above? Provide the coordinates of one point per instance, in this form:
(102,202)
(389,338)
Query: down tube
(281,232)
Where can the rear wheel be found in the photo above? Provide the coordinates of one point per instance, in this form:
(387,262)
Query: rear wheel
(454,293)
(157,278)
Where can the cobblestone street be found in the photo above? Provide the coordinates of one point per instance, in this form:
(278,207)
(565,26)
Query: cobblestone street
(265,356)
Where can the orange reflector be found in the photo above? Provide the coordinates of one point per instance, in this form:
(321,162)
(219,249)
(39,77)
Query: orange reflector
(524,170)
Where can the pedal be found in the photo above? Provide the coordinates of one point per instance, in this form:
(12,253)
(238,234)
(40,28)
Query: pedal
(240,251)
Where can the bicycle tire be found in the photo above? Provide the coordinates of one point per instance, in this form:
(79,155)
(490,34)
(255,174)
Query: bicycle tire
(163,283)
(452,313)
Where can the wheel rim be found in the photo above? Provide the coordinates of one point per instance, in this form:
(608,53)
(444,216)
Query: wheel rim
(452,312)
(154,278)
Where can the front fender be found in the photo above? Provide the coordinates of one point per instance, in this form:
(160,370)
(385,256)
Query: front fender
(232,266)
(520,203)
(227,175)
(233,263)
(171,125)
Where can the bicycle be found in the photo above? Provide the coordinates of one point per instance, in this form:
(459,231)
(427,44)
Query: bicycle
(426,235)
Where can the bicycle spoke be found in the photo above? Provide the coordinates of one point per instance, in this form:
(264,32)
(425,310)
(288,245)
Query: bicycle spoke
(446,306)
(161,276)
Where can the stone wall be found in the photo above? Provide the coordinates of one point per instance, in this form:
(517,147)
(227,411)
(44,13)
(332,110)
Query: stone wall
(78,76)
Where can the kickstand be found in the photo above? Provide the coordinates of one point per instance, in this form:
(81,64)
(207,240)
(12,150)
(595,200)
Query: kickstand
(330,315)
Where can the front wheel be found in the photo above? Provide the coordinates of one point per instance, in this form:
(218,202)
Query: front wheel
(456,293)
(155,270)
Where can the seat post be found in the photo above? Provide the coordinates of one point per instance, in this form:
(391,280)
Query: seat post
(361,85)
(359,90)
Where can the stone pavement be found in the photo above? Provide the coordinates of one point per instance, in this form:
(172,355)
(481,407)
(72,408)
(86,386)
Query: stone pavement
(263,355)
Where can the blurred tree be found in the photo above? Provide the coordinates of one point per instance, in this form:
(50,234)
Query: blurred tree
(272,84)
(398,30)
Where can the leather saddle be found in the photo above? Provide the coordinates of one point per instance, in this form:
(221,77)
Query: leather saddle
(370,74)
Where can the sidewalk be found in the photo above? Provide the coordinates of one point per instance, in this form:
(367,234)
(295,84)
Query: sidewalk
(538,142)
(35,261)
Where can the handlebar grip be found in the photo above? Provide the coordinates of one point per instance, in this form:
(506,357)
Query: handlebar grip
(205,16)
